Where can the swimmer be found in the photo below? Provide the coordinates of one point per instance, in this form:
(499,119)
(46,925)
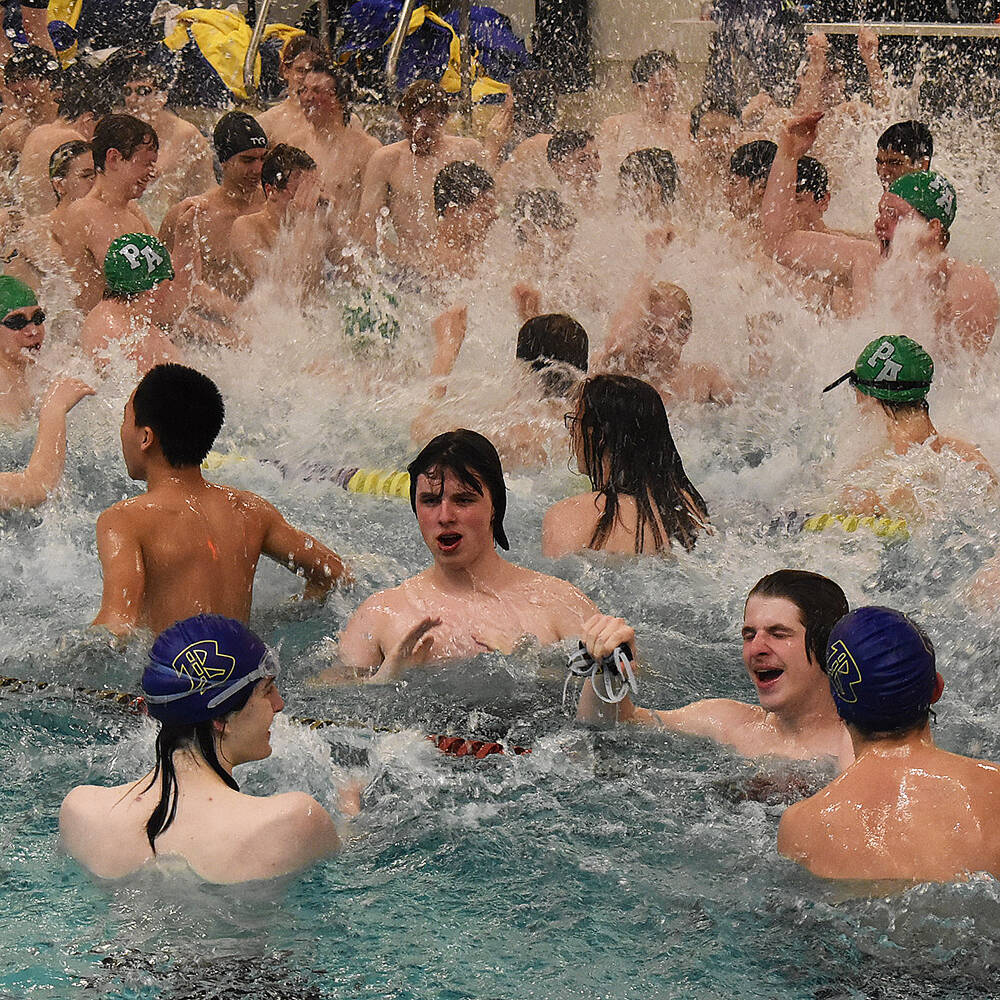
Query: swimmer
(749,167)
(466,208)
(293,201)
(786,623)
(641,500)
(905,809)
(903,148)
(470,600)
(31,77)
(400,176)
(200,227)
(647,184)
(22,333)
(920,205)
(715,134)
(134,266)
(125,151)
(647,338)
(187,546)
(576,164)
(340,148)
(656,123)
(83,100)
(891,379)
(37,255)
(184,163)
(544,227)
(190,806)
(285,121)
(524,164)
(553,351)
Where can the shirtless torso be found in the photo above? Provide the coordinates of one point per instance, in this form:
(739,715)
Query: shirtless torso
(905,810)
(135,334)
(403,181)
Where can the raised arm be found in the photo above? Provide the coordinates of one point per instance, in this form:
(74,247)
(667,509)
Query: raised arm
(868,48)
(124,572)
(810,96)
(322,567)
(48,459)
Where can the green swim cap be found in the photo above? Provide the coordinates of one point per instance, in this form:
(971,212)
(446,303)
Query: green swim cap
(136,262)
(14,294)
(895,369)
(932,195)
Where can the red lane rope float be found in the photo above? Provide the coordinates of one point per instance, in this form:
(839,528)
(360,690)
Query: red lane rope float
(454,746)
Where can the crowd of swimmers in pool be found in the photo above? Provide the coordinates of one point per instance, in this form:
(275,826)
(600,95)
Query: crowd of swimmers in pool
(80,147)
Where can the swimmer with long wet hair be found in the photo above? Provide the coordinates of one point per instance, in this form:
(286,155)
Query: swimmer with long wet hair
(642,500)
(905,809)
(210,684)
(786,623)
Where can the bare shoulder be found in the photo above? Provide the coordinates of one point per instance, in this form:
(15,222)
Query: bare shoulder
(123,513)
(794,829)
(85,802)
(297,818)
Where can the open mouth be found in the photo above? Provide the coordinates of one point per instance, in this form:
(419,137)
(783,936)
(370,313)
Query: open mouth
(449,541)
(768,675)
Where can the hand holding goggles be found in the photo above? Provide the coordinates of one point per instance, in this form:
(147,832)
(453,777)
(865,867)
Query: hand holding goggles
(613,669)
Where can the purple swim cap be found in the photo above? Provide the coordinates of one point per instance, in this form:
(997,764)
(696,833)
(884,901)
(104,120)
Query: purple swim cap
(203,668)
(881,669)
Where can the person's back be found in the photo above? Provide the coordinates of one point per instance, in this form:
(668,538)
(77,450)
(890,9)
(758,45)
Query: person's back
(186,545)
(905,809)
(902,811)
(210,683)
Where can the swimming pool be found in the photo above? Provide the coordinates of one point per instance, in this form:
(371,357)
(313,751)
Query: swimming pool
(600,865)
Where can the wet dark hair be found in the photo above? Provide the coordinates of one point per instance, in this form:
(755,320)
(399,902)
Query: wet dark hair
(753,160)
(474,461)
(911,138)
(125,133)
(31,63)
(709,108)
(341,84)
(83,91)
(142,67)
(811,176)
(294,47)
(459,184)
(643,169)
(184,409)
(628,450)
(535,104)
(820,601)
(650,63)
(556,347)
(565,142)
(543,207)
(277,167)
(420,95)
(169,740)
(900,411)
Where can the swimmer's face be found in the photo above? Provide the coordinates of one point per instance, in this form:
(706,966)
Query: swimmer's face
(580,167)
(810,210)
(660,90)
(295,72)
(890,165)
(19,347)
(247,733)
(745,198)
(144,98)
(717,135)
(136,173)
(243,169)
(424,128)
(78,180)
(774,652)
(455,520)
(892,210)
(318,96)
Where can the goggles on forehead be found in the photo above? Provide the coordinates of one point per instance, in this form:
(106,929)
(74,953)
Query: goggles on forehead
(18,321)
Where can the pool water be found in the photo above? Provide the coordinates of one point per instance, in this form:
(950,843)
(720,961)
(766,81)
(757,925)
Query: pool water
(610,864)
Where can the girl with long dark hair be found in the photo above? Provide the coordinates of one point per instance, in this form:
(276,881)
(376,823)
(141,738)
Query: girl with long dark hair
(641,500)
(210,684)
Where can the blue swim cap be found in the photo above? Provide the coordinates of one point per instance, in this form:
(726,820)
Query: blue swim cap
(881,669)
(202,668)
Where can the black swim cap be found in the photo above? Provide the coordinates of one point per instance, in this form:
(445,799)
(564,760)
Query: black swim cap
(474,460)
(236,132)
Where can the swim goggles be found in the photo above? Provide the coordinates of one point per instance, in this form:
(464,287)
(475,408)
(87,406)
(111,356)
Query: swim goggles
(18,321)
(615,669)
(268,667)
(901,384)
